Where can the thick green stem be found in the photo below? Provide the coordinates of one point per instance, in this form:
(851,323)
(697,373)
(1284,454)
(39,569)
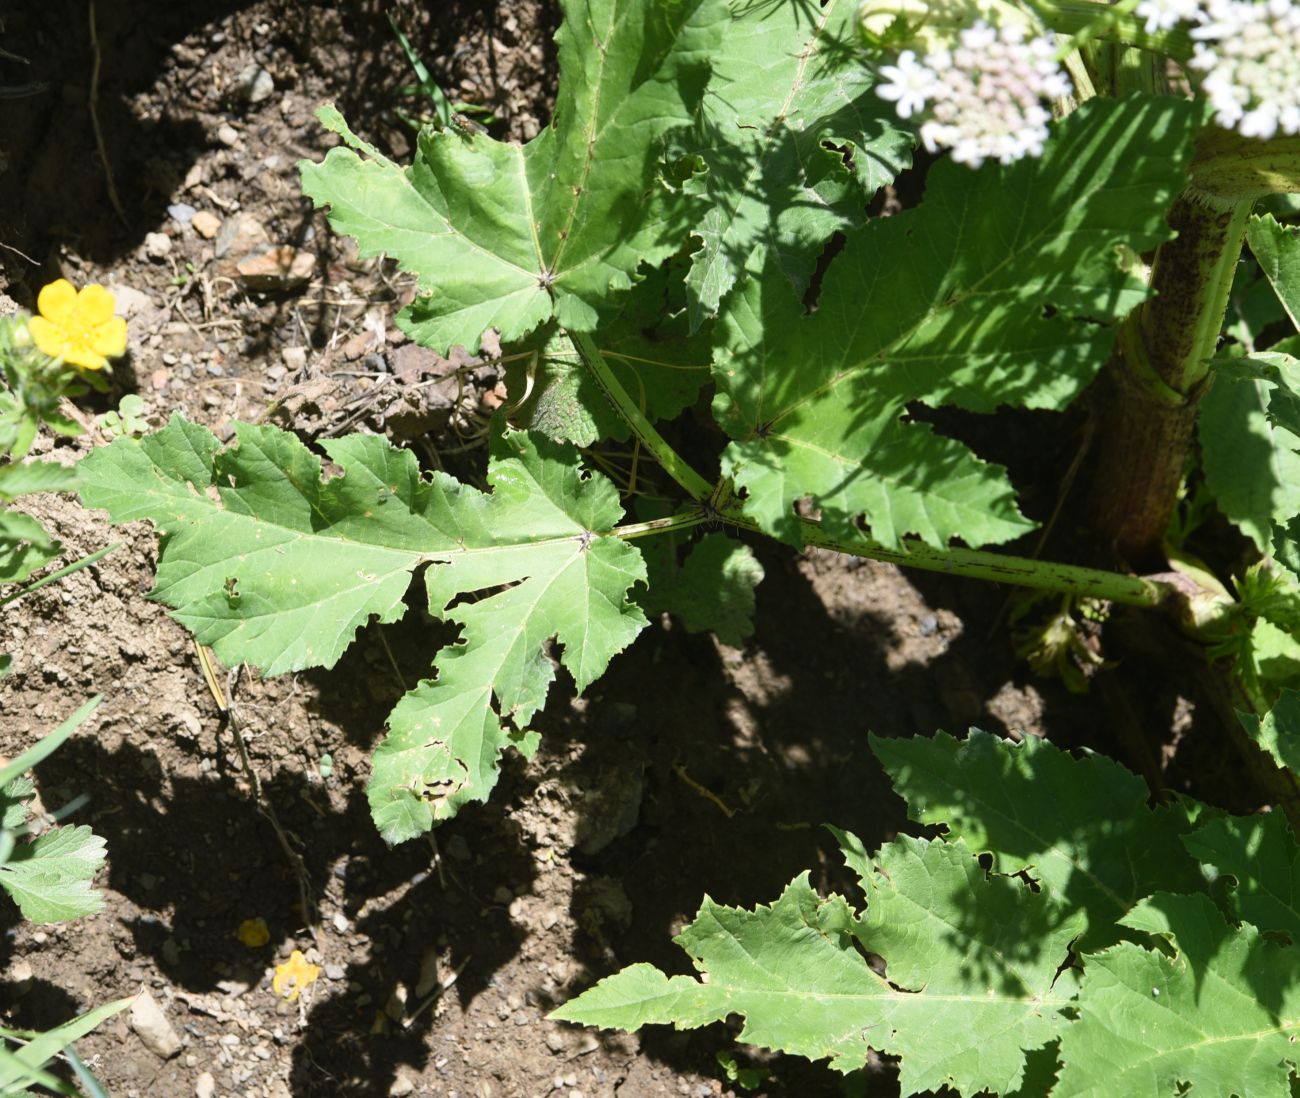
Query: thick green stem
(972,563)
(683,521)
(1146,401)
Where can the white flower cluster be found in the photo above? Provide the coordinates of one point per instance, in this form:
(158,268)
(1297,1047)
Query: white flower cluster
(1250,55)
(1163,15)
(983,99)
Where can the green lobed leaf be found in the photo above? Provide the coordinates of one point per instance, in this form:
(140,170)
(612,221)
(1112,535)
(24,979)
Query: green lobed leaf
(20,478)
(795,140)
(1220,1017)
(998,290)
(507,236)
(661,368)
(1261,853)
(967,955)
(270,564)
(49,878)
(1081,826)
(1251,463)
(1278,732)
(1282,373)
(1277,249)
(14,808)
(25,546)
(712,590)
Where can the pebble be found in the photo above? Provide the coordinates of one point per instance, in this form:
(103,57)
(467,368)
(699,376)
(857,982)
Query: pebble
(130,301)
(277,269)
(205,1086)
(181,212)
(228,135)
(335,972)
(157,245)
(502,895)
(254,83)
(206,224)
(295,358)
(153,1028)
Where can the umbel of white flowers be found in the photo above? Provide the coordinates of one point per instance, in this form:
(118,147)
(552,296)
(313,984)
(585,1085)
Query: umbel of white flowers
(983,99)
(1250,56)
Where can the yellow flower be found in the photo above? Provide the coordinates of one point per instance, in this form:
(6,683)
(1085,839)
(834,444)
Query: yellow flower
(253,933)
(79,328)
(294,975)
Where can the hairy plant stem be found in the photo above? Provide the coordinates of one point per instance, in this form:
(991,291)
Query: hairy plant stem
(1020,571)
(1146,400)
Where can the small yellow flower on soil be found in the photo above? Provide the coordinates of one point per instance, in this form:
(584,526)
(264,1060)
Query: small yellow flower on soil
(78,327)
(253,933)
(294,975)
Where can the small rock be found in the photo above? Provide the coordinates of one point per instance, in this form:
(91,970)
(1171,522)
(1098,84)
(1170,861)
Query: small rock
(153,1028)
(205,1086)
(157,245)
(555,1042)
(277,269)
(240,236)
(228,135)
(181,212)
(341,923)
(158,379)
(402,1085)
(502,895)
(294,358)
(21,974)
(130,301)
(171,952)
(206,224)
(253,84)
(335,972)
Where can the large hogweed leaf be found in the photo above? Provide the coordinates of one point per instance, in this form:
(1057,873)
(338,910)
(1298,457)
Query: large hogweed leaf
(998,289)
(1081,826)
(967,955)
(1277,249)
(795,140)
(1221,1015)
(1247,426)
(270,563)
(507,236)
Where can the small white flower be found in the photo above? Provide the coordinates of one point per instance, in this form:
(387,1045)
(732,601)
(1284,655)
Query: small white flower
(1249,54)
(1162,15)
(910,84)
(984,99)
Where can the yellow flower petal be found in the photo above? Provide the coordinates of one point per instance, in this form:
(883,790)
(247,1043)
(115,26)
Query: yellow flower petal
(57,300)
(94,305)
(109,339)
(49,338)
(85,357)
(253,933)
(293,976)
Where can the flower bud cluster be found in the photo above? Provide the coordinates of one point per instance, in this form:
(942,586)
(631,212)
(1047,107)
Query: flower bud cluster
(983,98)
